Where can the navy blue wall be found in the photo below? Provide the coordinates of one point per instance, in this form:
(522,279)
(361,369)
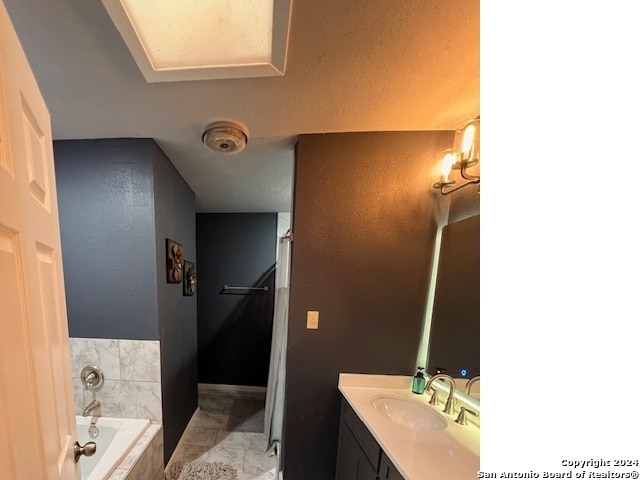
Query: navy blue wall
(119,199)
(234,331)
(175,219)
(105,198)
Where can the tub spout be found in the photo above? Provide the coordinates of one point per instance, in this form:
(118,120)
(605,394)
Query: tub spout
(90,408)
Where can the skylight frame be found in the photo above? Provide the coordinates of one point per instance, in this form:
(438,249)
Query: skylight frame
(275,67)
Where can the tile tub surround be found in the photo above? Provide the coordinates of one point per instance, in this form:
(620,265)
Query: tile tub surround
(132,376)
(449,454)
(145,459)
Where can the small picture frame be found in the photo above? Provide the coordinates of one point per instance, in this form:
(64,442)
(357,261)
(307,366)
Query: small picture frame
(175,262)
(189,282)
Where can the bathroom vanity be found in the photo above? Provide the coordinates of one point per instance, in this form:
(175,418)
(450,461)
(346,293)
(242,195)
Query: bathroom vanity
(389,433)
(359,454)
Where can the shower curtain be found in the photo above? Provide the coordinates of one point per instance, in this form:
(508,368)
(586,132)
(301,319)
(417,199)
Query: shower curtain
(274,406)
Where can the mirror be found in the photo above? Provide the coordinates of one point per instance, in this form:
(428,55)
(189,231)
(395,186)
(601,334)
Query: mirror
(454,342)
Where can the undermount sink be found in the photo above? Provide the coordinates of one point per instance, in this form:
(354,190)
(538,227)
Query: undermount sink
(409,414)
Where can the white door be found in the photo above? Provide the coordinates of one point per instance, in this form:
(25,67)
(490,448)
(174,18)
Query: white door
(37,420)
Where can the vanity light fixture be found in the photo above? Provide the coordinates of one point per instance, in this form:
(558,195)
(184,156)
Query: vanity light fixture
(464,154)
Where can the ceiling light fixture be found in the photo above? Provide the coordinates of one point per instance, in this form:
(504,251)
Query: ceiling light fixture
(464,154)
(225,137)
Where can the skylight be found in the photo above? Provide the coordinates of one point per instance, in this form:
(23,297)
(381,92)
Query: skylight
(204,39)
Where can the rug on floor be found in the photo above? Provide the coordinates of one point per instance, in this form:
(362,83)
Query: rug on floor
(246,415)
(200,470)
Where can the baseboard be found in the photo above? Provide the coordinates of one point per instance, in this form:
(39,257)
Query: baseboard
(219,387)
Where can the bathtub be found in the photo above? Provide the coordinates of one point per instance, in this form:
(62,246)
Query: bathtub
(115,438)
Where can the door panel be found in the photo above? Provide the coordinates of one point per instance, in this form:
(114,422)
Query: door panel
(36,157)
(49,354)
(18,403)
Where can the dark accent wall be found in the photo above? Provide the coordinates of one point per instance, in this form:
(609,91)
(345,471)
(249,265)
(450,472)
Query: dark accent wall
(175,218)
(105,196)
(119,199)
(364,229)
(234,328)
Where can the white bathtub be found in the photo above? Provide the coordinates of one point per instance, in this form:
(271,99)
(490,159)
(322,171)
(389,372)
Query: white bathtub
(115,439)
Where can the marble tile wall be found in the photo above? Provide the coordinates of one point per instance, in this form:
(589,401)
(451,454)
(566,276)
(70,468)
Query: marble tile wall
(132,376)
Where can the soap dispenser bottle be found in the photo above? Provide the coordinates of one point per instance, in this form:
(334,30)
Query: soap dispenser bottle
(417,386)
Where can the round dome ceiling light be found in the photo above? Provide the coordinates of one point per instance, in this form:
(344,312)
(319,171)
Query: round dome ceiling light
(225,137)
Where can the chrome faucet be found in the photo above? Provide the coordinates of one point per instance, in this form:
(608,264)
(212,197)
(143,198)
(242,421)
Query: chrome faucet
(448,407)
(90,408)
(467,388)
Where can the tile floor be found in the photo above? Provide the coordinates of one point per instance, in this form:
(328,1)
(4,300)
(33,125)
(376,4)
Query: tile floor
(208,439)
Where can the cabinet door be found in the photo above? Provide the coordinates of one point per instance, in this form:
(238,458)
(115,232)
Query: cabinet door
(352,463)
(364,438)
(388,470)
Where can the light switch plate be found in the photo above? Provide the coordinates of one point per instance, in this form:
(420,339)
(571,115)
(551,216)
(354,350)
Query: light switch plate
(312,320)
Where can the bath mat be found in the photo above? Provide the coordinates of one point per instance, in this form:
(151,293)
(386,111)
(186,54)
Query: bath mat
(246,415)
(200,470)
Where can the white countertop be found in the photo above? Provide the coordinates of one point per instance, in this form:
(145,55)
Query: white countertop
(450,454)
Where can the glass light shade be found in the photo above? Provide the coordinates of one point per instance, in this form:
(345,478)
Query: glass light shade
(468,141)
(447,158)
(447,163)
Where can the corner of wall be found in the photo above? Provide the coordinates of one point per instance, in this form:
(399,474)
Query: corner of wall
(174,218)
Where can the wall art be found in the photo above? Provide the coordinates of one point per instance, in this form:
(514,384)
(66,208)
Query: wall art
(175,262)
(189,283)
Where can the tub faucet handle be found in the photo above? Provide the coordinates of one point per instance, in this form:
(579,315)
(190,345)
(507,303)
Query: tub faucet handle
(92,378)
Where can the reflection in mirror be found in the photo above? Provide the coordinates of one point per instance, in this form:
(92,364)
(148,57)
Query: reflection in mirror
(454,342)
(463,399)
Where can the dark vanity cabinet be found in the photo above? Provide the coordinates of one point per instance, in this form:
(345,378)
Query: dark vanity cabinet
(359,455)
(387,470)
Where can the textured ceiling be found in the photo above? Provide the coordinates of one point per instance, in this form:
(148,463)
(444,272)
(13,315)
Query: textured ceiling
(364,65)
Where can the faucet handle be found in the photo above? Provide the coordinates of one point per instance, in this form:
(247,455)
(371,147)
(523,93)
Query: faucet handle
(448,406)
(462,416)
(92,378)
(434,397)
